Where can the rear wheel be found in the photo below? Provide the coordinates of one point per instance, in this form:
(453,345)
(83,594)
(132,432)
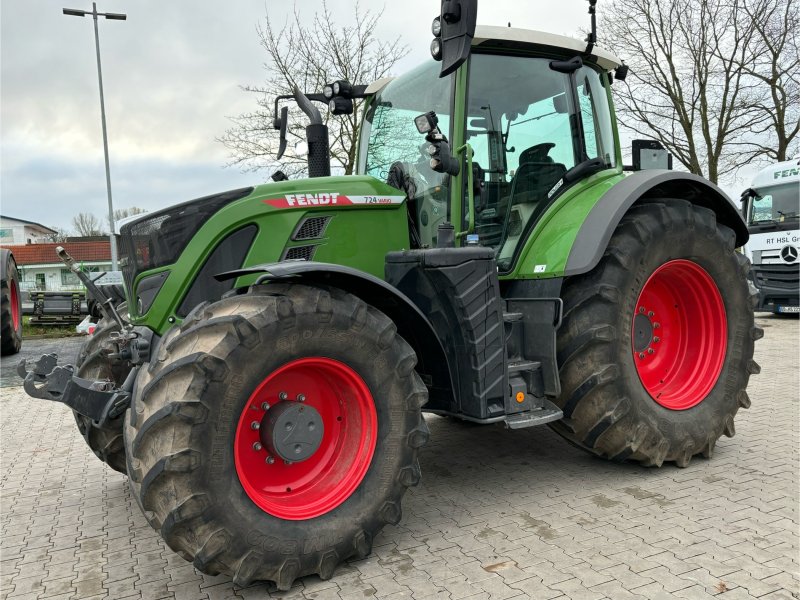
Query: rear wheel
(276,432)
(656,347)
(10,308)
(94,362)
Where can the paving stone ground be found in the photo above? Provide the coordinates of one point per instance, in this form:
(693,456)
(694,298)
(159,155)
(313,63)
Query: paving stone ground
(499,514)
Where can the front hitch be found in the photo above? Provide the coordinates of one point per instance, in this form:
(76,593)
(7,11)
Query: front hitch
(99,400)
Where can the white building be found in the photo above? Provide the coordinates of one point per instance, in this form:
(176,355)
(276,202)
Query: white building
(16,232)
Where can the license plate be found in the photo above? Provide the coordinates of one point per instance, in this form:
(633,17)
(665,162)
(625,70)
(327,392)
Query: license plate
(789,309)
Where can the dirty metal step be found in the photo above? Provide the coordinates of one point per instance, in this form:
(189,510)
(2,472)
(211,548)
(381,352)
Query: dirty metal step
(549,412)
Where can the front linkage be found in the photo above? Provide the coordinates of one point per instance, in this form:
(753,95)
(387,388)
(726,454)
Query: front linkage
(99,400)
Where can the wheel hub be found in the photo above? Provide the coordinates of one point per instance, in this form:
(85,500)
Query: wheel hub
(292,431)
(305,438)
(642,332)
(679,334)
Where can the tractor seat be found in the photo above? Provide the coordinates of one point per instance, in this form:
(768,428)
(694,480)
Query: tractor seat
(533,181)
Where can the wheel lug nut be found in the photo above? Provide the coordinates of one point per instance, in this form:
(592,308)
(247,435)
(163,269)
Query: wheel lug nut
(656,325)
(651,314)
(641,354)
(650,351)
(641,309)
(270,460)
(301,398)
(283,396)
(255,425)
(265,406)
(257,446)
(656,339)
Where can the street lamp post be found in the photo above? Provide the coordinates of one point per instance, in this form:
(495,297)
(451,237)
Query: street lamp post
(116,17)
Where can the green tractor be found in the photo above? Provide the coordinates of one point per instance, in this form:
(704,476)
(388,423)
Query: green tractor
(264,388)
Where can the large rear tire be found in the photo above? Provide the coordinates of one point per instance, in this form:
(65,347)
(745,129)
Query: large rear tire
(10,307)
(656,347)
(93,362)
(208,467)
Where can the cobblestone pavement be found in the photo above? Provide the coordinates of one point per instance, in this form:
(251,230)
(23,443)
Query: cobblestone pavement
(66,348)
(498,514)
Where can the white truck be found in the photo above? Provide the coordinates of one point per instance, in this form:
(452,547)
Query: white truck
(771,207)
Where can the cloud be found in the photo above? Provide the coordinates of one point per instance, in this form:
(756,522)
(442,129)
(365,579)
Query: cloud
(172,73)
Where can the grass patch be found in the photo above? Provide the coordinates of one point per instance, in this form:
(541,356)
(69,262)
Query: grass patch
(51,331)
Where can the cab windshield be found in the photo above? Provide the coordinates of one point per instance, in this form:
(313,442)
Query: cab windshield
(775,204)
(389,136)
(528,127)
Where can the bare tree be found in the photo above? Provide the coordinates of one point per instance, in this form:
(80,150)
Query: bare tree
(87,225)
(60,234)
(310,55)
(775,64)
(122,213)
(692,82)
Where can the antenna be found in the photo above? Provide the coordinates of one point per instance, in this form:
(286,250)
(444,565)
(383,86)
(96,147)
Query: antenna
(591,39)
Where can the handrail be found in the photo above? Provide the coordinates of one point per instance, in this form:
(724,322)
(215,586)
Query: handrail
(467,149)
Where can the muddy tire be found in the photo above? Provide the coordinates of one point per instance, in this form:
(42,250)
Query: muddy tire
(93,362)
(656,347)
(205,461)
(10,306)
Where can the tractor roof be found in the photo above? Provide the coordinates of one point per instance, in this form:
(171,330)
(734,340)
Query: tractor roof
(490,33)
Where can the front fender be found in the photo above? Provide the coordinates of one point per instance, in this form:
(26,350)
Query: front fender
(412,324)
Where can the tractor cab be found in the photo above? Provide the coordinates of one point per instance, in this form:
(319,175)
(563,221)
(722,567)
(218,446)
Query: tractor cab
(536,118)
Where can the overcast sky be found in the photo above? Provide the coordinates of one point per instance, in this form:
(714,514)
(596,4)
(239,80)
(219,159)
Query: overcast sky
(172,73)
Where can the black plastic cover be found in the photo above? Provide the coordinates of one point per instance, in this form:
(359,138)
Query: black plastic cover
(458,290)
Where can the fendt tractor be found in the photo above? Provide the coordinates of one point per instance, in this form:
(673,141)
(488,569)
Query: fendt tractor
(490,261)
(771,208)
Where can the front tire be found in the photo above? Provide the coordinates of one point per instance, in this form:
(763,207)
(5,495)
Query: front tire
(656,347)
(197,463)
(94,363)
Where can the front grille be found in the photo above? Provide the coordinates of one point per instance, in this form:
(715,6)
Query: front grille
(157,239)
(777,276)
(311,228)
(299,253)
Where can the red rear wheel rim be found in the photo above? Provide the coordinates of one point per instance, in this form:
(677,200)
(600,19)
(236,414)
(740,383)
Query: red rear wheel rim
(317,485)
(15,312)
(679,334)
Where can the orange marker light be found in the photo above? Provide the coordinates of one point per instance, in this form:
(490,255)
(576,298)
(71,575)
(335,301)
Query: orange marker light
(520,397)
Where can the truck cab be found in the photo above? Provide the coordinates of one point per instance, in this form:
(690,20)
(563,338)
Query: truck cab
(771,208)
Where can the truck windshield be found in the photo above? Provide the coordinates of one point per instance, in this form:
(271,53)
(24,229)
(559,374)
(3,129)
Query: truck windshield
(528,127)
(775,204)
(388,135)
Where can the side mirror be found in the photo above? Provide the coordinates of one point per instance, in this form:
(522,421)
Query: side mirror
(650,154)
(453,31)
(282,124)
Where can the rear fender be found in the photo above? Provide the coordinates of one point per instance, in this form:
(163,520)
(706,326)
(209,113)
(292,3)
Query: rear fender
(412,325)
(598,226)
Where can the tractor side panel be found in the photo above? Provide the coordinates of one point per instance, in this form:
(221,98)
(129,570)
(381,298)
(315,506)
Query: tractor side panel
(545,252)
(352,221)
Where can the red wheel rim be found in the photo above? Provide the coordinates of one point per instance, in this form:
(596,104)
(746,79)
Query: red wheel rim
(15,312)
(679,334)
(312,487)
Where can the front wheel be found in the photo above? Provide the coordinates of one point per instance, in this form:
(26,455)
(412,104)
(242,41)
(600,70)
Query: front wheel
(276,432)
(656,347)
(94,362)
